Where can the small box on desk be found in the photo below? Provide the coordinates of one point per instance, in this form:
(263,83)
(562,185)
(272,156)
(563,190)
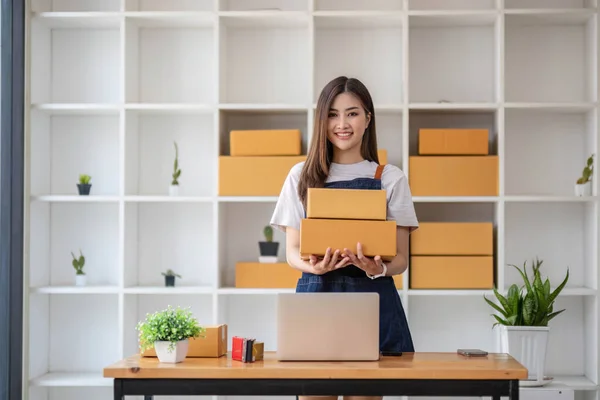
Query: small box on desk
(376,237)
(254,175)
(453,175)
(265,142)
(213,344)
(453,142)
(246,349)
(361,204)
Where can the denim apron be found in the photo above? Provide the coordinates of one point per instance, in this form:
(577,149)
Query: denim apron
(394,333)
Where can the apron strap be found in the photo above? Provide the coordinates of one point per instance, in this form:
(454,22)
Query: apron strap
(379,171)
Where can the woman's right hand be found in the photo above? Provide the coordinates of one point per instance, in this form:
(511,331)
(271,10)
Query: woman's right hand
(329,262)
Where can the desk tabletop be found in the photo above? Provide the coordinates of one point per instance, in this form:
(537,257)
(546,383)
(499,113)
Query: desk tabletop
(408,366)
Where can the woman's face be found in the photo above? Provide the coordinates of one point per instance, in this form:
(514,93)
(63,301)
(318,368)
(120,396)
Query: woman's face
(347,122)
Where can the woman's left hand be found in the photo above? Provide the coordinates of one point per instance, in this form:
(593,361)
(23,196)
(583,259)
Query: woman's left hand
(371,265)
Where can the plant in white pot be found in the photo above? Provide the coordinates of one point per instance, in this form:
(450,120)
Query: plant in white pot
(168,331)
(174,188)
(583,186)
(524,316)
(78,263)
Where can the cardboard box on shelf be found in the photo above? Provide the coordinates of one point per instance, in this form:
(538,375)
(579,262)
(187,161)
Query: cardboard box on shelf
(453,238)
(453,175)
(213,344)
(265,142)
(376,237)
(361,204)
(252,275)
(451,272)
(453,141)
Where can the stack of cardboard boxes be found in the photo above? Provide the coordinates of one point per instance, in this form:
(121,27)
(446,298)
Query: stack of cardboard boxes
(340,218)
(453,162)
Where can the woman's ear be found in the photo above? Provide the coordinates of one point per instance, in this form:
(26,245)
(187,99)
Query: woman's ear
(368,119)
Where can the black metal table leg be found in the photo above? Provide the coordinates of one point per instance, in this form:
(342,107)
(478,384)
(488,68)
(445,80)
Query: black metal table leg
(514,390)
(118,390)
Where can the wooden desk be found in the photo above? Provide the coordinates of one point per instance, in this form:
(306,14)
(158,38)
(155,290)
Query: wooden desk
(412,374)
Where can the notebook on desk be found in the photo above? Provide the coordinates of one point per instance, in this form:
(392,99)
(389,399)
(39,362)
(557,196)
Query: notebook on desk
(328,327)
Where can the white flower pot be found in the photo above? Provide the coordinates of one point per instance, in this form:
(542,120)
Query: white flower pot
(174,190)
(527,344)
(583,189)
(80,280)
(175,355)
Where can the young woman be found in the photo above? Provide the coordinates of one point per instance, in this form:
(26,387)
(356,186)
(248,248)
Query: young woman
(343,154)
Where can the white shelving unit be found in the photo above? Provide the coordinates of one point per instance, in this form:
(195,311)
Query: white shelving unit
(112,83)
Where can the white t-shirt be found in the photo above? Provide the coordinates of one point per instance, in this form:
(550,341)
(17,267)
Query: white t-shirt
(289,211)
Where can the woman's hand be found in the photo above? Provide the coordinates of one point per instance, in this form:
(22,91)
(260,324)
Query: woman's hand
(371,265)
(328,263)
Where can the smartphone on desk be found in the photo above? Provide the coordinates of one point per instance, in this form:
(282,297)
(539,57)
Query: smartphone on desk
(472,352)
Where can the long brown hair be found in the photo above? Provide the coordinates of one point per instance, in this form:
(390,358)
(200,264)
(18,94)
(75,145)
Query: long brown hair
(316,168)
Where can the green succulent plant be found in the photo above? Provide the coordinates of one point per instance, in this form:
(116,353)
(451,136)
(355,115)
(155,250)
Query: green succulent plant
(586,174)
(171,325)
(84,179)
(176,169)
(268,232)
(529,305)
(78,263)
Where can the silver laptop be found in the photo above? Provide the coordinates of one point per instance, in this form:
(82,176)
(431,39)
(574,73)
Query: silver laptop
(328,326)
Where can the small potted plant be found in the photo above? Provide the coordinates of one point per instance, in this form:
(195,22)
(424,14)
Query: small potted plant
(268,248)
(169,331)
(78,263)
(524,314)
(170,277)
(174,188)
(583,186)
(84,186)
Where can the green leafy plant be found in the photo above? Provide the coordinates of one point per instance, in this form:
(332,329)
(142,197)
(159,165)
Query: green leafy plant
(529,305)
(176,169)
(84,179)
(78,263)
(169,325)
(268,232)
(586,174)
(170,272)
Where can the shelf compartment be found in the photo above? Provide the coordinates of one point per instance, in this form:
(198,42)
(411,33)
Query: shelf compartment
(167,62)
(368,37)
(358,5)
(563,139)
(390,136)
(531,233)
(137,306)
(162,236)
(263,5)
(171,5)
(75,5)
(239,242)
(65,146)
(256,120)
(72,341)
(57,229)
(76,63)
(259,54)
(451,4)
(549,4)
(453,58)
(560,73)
(150,153)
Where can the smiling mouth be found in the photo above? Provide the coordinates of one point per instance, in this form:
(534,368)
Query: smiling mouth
(343,135)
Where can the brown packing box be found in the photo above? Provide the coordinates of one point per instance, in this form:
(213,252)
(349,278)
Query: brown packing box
(453,238)
(346,204)
(213,344)
(382,155)
(453,142)
(265,142)
(453,175)
(398,280)
(376,237)
(254,175)
(451,272)
(265,275)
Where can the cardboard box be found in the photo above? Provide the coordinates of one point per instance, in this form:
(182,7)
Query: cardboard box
(453,175)
(213,344)
(265,142)
(346,204)
(398,281)
(453,238)
(376,237)
(382,155)
(453,142)
(254,175)
(451,272)
(265,275)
